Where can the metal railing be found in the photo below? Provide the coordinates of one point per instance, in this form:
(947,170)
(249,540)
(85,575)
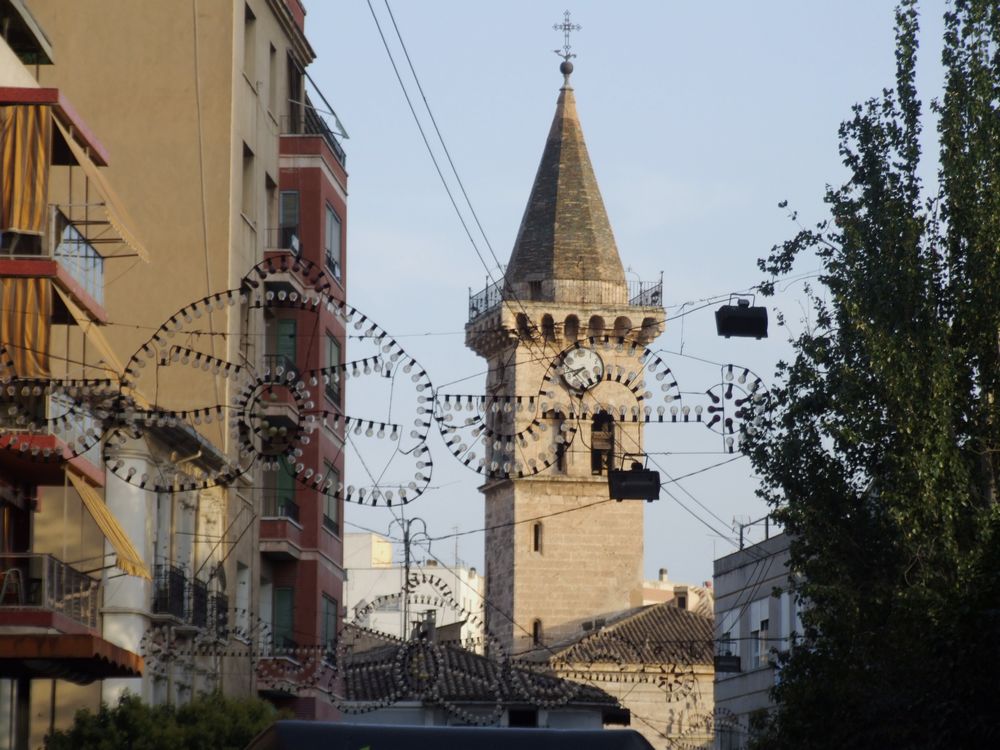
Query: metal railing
(40,581)
(272,363)
(75,420)
(307,121)
(75,253)
(169,584)
(281,507)
(65,244)
(282,238)
(639,294)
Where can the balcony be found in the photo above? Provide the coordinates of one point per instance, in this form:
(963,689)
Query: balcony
(281,507)
(280,529)
(40,591)
(305,119)
(282,239)
(25,423)
(64,254)
(639,294)
(169,584)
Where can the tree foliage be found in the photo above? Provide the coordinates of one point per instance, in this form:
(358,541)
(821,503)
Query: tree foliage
(209,722)
(882,454)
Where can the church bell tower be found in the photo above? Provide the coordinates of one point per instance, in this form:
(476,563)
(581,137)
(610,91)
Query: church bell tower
(564,336)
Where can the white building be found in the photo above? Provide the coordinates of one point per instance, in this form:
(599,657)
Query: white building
(375,598)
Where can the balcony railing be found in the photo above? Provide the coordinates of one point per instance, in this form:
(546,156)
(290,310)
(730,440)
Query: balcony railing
(38,581)
(76,421)
(169,583)
(275,362)
(309,122)
(74,253)
(640,294)
(283,238)
(65,244)
(199,603)
(281,507)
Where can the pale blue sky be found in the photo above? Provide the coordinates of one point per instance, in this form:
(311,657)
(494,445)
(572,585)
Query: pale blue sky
(699,119)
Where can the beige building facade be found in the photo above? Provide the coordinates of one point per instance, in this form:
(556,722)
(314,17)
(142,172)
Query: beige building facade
(192,98)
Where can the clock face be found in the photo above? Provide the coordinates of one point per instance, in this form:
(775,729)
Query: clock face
(582,369)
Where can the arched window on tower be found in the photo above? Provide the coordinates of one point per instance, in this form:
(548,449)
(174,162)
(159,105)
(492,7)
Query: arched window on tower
(523,326)
(571,328)
(536,537)
(596,327)
(548,328)
(623,326)
(602,443)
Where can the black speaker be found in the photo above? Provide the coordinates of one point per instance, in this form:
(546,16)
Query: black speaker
(741,320)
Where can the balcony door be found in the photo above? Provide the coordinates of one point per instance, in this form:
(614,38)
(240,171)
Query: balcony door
(284,346)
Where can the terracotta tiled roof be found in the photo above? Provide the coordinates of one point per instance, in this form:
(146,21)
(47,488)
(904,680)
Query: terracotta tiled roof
(457,676)
(658,634)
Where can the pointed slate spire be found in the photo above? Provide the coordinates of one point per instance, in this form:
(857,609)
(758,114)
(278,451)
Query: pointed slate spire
(565,236)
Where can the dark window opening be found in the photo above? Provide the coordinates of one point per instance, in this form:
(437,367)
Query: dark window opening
(602,443)
(536,537)
(536,632)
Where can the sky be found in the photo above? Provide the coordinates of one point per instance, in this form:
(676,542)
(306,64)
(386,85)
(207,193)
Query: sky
(699,119)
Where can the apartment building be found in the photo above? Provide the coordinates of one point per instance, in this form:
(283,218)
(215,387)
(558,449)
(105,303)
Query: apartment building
(755,618)
(377,598)
(223,162)
(62,229)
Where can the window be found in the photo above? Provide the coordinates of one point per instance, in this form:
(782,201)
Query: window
(536,632)
(332,242)
(333,369)
(522,717)
(536,537)
(759,621)
(288,218)
(284,346)
(682,602)
(272,79)
(293,118)
(242,600)
(249,43)
(271,209)
(248,184)
(329,624)
(729,632)
(284,605)
(534,290)
(602,443)
(331,503)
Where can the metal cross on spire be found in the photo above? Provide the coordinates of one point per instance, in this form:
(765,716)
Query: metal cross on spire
(566,27)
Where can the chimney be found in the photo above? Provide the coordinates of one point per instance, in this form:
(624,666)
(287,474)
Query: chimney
(663,574)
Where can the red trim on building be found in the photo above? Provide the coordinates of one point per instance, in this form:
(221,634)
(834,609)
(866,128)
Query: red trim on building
(64,111)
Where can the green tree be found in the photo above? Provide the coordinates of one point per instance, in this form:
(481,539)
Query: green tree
(882,452)
(209,722)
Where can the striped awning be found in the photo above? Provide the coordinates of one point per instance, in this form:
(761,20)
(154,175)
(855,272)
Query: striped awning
(25,315)
(129,560)
(25,154)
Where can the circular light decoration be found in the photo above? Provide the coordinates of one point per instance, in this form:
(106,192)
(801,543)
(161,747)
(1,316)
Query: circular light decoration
(504,435)
(739,402)
(52,419)
(268,408)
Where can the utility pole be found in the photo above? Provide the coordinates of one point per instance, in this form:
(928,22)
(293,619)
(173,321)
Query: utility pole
(409,537)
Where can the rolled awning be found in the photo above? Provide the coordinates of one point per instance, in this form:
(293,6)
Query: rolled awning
(113,205)
(129,560)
